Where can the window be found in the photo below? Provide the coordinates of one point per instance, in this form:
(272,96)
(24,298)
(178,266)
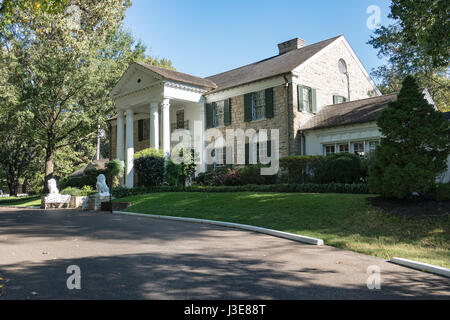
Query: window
(330,149)
(259,105)
(372,145)
(339,99)
(180,119)
(219,113)
(307,99)
(358,149)
(343,148)
(143,129)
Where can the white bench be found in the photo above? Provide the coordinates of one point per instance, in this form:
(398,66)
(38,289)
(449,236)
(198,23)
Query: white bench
(58,200)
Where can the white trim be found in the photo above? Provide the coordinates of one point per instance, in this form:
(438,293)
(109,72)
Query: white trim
(421,266)
(279,234)
(247,88)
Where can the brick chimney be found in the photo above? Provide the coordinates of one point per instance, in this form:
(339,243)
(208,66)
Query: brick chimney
(290,45)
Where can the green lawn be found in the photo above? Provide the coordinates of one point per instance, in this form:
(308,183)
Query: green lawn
(22,202)
(341,220)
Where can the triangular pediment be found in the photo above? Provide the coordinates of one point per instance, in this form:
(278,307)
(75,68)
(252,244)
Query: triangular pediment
(134,79)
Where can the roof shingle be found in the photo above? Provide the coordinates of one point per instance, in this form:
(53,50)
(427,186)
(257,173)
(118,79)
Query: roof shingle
(359,111)
(274,66)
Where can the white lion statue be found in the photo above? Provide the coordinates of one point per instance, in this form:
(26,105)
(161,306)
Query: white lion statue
(52,188)
(102,187)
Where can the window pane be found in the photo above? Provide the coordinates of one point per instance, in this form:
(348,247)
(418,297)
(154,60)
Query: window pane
(259,104)
(343,148)
(358,148)
(330,149)
(307,99)
(219,114)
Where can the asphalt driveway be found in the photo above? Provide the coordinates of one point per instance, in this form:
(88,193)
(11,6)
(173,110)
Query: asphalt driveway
(124,257)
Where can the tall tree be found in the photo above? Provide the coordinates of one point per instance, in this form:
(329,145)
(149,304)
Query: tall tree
(414,147)
(417,43)
(62,69)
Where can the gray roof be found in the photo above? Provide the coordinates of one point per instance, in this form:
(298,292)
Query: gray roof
(359,111)
(274,66)
(178,76)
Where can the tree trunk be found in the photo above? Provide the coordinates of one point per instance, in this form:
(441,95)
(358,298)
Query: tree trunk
(49,167)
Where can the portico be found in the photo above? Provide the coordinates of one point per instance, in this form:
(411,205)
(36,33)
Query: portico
(152,102)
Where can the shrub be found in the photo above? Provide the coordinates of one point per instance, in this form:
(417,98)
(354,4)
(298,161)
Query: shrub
(115,171)
(442,192)
(149,170)
(299,169)
(339,168)
(150,152)
(89,178)
(415,146)
(251,174)
(173,175)
(76,192)
(221,177)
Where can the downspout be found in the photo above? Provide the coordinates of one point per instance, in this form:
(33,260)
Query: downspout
(288,114)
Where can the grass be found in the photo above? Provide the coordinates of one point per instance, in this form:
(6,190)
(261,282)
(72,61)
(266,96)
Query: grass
(342,220)
(21,201)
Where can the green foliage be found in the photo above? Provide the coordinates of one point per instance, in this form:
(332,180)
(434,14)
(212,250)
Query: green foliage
(114,169)
(251,174)
(222,177)
(338,168)
(149,170)
(414,149)
(150,152)
(89,178)
(122,192)
(76,192)
(299,169)
(173,175)
(416,43)
(442,192)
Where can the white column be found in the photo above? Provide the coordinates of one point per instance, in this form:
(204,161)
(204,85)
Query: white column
(130,149)
(165,110)
(154,126)
(120,141)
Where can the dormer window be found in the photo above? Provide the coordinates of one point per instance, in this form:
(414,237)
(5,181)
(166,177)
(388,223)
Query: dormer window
(339,99)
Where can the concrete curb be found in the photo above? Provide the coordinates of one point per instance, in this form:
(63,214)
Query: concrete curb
(279,234)
(421,266)
(20,207)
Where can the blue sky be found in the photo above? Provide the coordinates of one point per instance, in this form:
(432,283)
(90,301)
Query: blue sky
(203,38)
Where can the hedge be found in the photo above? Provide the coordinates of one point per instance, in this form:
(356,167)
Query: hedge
(278,188)
(299,169)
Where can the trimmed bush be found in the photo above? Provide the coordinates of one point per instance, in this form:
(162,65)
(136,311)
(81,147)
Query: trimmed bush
(339,168)
(75,192)
(299,169)
(221,177)
(251,174)
(276,188)
(150,152)
(173,175)
(89,178)
(115,171)
(149,171)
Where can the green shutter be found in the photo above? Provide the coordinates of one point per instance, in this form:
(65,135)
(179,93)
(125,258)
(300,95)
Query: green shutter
(209,116)
(269,148)
(314,100)
(301,106)
(247,154)
(269,103)
(248,116)
(140,130)
(335,98)
(227,112)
